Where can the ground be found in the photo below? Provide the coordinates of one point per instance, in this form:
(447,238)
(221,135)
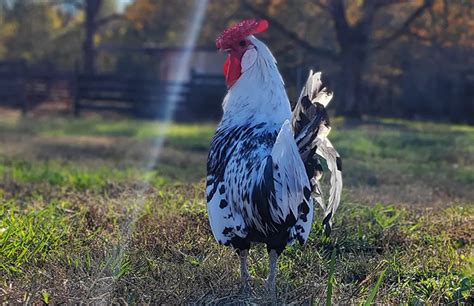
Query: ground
(96,210)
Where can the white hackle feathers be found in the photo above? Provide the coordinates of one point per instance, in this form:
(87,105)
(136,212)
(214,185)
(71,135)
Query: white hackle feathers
(248,59)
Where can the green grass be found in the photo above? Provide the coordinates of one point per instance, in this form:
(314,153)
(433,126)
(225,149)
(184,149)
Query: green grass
(87,213)
(30,236)
(72,176)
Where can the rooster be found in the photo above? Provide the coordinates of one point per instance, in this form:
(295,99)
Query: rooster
(263,167)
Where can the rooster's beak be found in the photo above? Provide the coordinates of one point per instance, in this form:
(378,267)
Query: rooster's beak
(224,50)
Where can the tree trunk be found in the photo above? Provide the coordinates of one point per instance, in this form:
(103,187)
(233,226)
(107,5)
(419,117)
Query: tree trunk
(351,72)
(92,8)
(353,41)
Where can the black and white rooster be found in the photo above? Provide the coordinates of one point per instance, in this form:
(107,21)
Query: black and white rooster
(263,169)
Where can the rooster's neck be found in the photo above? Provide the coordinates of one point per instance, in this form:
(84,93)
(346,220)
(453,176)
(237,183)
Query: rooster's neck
(259,95)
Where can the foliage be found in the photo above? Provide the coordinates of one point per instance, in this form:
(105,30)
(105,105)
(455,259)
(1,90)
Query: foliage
(49,26)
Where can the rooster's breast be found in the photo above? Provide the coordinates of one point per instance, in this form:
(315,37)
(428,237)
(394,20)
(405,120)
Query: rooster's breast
(235,157)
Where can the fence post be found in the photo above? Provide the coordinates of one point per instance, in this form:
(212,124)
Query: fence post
(23,80)
(75,90)
(189,98)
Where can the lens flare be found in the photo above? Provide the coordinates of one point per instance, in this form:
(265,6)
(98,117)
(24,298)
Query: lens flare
(105,279)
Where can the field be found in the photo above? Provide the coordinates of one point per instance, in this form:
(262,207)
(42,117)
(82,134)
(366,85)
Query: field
(96,210)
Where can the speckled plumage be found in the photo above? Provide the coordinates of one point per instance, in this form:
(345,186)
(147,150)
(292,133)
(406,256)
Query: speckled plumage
(258,184)
(245,189)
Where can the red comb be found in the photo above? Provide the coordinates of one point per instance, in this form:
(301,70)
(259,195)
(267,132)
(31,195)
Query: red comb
(239,31)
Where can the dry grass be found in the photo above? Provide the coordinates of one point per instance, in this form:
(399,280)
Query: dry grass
(82,218)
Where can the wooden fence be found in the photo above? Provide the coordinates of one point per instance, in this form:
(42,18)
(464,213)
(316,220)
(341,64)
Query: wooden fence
(200,98)
(194,100)
(13,85)
(197,99)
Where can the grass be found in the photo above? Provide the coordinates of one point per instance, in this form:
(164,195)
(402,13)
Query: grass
(88,214)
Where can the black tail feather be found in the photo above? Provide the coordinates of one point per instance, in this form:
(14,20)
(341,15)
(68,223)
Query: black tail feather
(308,116)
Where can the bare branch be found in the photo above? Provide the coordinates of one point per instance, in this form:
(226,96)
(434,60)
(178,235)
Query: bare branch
(420,37)
(103,21)
(290,34)
(382,43)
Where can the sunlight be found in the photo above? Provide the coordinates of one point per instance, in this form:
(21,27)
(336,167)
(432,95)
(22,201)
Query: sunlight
(117,254)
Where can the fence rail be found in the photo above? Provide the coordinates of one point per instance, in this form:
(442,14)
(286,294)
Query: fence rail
(197,99)
(13,84)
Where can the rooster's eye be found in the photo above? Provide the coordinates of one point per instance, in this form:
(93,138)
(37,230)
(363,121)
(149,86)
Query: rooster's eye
(242,43)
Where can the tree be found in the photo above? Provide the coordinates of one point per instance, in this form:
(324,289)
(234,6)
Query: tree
(97,13)
(21,21)
(447,24)
(353,23)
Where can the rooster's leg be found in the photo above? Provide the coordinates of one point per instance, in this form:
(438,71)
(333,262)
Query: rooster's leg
(271,280)
(244,270)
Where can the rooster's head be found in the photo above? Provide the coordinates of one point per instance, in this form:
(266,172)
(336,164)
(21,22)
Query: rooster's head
(236,41)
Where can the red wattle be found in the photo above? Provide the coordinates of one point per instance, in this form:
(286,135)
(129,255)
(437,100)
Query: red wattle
(232,69)
(226,66)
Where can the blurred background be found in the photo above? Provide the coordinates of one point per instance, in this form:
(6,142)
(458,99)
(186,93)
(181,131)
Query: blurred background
(409,59)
